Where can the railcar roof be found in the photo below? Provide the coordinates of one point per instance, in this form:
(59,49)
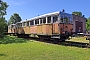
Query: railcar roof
(48,14)
(41,16)
(44,15)
(12,24)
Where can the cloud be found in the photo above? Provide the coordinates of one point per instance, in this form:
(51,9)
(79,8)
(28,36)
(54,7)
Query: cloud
(15,2)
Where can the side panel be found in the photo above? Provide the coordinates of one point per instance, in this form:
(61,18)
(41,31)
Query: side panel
(9,30)
(39,29)
(55,28)
(24,29)
(33,29)
(49,29)
(21,30)
(13,30)
(27,30)
(69,29)
(43,29)
(62,28)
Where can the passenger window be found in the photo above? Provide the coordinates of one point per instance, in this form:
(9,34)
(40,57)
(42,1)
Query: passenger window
(8,27)
(41,21)
(32,22)
(11,26)
(49,19)
(20,25)
(55,19)
(61,19)
(27,23)
(24,24)
(70,20)
(44,20)
(36,21)
(66,19)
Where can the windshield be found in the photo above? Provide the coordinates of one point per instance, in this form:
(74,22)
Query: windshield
(66,18)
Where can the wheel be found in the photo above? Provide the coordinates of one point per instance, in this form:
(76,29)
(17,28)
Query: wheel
(41,38)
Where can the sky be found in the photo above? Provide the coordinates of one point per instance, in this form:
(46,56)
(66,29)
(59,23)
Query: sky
(31,8)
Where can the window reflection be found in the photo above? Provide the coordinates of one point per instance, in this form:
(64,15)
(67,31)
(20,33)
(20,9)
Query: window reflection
(65,19)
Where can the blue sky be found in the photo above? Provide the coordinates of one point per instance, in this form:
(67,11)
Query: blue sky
(31,8)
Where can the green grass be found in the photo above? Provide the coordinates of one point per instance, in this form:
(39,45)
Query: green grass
(35,50)
(11,39)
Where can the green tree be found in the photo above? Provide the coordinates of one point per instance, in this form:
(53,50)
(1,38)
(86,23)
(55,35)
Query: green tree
(14,19)
(77,13)
(88,24)
(3,8)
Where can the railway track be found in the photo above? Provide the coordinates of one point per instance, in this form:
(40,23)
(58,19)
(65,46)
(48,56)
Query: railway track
(64,43)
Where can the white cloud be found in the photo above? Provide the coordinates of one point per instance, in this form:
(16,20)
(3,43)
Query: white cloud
(17,3)
(14,2)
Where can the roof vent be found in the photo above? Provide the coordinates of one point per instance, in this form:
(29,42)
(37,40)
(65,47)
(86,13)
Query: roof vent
(83,16)
(63,10)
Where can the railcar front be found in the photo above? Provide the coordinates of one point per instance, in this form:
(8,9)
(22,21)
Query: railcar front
(12,29)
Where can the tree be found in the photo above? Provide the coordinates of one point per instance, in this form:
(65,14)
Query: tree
(3,8)
(77,13)
(14,19)
(88,24)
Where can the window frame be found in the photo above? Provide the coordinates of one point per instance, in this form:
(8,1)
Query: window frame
(44,18)
(56,20)
(31,22)
(36,21)
(24,24)
(28,23)
(49,19)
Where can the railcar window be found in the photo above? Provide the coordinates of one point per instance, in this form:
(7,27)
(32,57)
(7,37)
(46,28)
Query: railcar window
(49,19)
(36,21)
(11,26)
(27,23)
(20,25)
(32,22)
(14,26)
(61,19)
(24,24)
(55,19)
(70,20)
(44,20)
(41,21)
(66,19)
(8,27)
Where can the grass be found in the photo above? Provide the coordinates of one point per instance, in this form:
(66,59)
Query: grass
(12,39)
(35,50)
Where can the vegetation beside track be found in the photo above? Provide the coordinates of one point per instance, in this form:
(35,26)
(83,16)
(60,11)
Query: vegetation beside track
(22,49)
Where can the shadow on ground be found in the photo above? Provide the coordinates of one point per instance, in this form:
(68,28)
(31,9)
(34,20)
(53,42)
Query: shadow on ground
(12,39)
(65,43)
(2,55)
(76,44)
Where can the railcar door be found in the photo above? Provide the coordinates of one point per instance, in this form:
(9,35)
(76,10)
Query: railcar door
(79,26)
(55,29)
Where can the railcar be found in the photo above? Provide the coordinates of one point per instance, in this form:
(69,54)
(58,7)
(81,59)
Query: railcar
(52,25)
(12,29)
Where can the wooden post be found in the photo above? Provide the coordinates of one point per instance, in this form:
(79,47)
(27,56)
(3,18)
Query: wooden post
(89,44)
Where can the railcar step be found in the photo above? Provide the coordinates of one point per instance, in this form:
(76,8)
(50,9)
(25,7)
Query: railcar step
(56,37)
